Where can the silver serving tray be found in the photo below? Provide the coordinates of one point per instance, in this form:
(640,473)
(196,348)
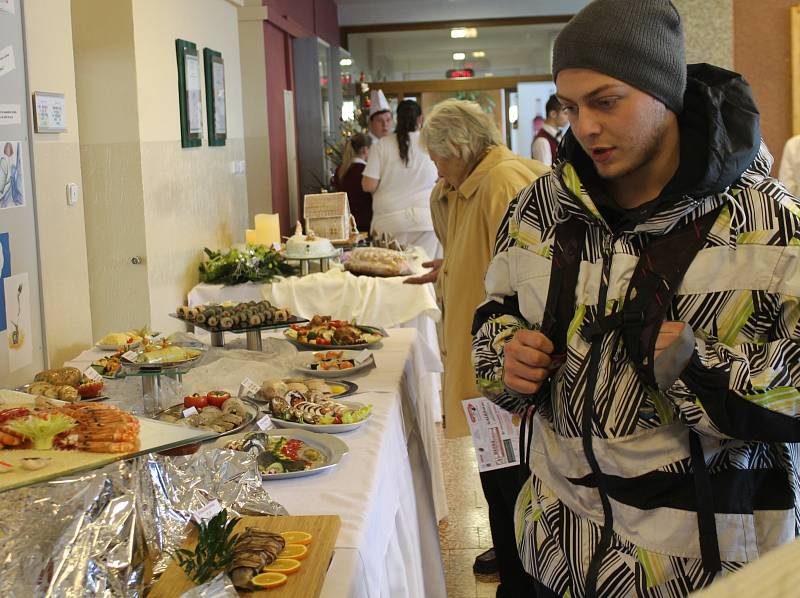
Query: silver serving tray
(254,411)
(371,329)
(132,367)
(98,398)
(324,428)
(330,446)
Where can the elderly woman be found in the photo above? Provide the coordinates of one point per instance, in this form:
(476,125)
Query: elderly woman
(481,176)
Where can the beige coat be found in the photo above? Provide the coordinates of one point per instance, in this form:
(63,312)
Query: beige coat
(474,212)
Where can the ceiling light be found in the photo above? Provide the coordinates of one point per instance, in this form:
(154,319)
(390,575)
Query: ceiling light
(459,56)
(462,32)
(479,54)
(345,62)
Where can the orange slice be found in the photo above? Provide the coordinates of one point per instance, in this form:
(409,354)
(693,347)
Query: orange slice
(297,537)
(294,551)
(269,580)
(285,566)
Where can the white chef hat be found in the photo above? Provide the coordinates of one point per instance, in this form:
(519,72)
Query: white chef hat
(377,103)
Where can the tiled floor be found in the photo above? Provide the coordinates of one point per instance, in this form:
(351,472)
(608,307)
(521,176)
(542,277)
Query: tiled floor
(465,533)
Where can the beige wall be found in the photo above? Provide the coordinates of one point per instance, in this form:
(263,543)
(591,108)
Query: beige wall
(708,27)
(56,162)
(191,198)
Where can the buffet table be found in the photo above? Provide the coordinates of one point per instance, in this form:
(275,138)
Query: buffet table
(383,302)
(386,490)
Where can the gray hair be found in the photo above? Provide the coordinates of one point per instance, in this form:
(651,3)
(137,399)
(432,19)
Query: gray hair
(459,129)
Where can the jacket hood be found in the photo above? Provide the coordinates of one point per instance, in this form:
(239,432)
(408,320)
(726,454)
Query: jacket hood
(720,142)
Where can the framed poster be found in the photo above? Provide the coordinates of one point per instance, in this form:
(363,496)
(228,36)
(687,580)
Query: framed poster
(191,104)
(215,96)
(49,112)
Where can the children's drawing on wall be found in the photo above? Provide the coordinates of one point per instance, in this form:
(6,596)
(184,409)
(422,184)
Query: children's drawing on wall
(18,317)
(12,194)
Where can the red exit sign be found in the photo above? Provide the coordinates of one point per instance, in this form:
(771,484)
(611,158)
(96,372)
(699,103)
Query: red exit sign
(460,73)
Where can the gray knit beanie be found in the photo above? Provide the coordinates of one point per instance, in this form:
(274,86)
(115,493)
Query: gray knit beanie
(639,42)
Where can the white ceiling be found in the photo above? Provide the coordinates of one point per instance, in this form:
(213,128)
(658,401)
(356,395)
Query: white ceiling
(370,12)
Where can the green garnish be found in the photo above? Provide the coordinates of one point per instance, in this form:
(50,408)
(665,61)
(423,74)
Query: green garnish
(42,428)
(256,263)
(214,550)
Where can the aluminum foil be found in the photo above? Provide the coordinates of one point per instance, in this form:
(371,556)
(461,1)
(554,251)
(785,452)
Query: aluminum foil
(94,534)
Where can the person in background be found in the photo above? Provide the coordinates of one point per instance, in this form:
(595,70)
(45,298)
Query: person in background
(479,176)
(545,144)
(379,121)
(400,176)
(348,179)
(789,172)
(663,365)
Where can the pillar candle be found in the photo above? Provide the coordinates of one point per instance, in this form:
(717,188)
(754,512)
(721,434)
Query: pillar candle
(268,229)
(250,237)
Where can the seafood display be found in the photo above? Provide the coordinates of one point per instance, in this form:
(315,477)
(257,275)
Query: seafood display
(89,427)
(323,330)
(231,414)
(333,364)
(235,316)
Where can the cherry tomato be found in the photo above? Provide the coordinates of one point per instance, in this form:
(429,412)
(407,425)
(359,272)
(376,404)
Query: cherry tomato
(218,397)
(195,400)
(323,341)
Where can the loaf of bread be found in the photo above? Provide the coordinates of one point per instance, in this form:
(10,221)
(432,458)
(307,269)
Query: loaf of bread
(376,261)
(60,377)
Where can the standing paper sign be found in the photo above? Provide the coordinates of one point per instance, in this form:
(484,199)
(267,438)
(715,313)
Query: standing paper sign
(495,434)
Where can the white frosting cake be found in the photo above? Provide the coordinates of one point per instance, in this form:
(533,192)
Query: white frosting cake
(309,245)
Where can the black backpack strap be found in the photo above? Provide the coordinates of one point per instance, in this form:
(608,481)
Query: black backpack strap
(570,236)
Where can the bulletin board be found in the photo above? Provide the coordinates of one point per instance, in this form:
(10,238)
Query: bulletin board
(21,342)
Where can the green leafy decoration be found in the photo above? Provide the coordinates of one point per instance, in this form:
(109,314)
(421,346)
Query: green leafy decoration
(214,550)
(257,263)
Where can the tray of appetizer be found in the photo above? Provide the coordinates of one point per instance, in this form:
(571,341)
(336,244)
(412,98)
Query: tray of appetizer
(237,317)
(109,367)
(215,411)
(65,384)
(163,355)
(309,388)
(325,331)
(332,364)
(327,417)
(115,341)
(284,454)
(264,557)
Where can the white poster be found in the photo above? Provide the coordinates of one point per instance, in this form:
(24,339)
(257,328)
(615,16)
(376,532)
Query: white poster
(10,114)
(12,194)
(7,63)
(7,6)
(218,76)
(18,316)
(51,113)
(193,91)
(495,434)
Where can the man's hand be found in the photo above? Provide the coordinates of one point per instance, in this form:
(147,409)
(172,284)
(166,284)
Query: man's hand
(428,276)
(668,334)
(527,361)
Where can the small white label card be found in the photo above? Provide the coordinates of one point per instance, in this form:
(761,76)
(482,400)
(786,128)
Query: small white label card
(362,356)
(265,423)
(130,355)
(495,434)
(9,114)
(92,374)
(7,6)
(249,387)
(207,511)
(190,411)
(7,63)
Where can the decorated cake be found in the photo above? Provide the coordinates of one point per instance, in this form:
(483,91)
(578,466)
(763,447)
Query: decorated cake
(308,245)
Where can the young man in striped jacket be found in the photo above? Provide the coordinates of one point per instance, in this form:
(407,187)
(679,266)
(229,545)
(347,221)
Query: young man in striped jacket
(643,311)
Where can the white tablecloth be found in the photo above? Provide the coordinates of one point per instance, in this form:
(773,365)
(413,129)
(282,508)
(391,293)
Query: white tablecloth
(384,489)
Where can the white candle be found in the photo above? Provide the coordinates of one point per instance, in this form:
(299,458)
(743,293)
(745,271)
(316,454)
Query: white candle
(268,229)
(250,237)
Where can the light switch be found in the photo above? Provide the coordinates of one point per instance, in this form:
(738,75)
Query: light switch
(72,194)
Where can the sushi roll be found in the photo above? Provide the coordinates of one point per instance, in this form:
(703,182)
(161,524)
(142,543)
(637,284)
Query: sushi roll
(182,311)
(255,320)
(212,321)
(200,318)
(192,313)
(281,315)
(226,313)
(226,322)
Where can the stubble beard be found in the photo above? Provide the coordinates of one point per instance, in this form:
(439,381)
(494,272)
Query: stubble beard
(650,148)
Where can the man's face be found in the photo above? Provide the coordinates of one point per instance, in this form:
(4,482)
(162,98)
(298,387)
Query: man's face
(618,126)
(380,125)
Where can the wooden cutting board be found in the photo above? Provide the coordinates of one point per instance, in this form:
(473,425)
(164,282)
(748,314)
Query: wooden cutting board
(305,583)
